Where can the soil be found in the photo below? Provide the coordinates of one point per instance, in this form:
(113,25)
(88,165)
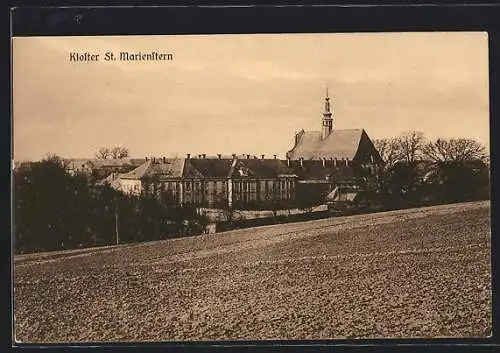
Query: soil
(422,272)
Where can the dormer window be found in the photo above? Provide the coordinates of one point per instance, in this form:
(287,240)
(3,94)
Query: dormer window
(243,171)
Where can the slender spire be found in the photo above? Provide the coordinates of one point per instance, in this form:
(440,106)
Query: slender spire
(327,103)
(327,123)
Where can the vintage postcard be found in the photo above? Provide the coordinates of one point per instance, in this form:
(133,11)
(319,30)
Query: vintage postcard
(251,187)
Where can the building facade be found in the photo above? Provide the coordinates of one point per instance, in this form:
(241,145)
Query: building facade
(216,182)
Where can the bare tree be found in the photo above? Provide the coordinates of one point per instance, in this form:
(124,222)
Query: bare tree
(55,159)
(409,146)
(119,152)
(388,150)
(460,149)
(406,147)
(103,153)
(400,173)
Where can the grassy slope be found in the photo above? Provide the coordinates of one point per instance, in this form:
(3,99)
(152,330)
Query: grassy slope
(410,273)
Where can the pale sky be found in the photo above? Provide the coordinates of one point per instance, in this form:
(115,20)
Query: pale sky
(244,93)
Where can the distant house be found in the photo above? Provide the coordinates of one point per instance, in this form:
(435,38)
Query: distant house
(100,168)
(154,176)
(78,166)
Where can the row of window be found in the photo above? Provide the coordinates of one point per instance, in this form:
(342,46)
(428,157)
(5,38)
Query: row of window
(241,190)
(241,186)
(131,188)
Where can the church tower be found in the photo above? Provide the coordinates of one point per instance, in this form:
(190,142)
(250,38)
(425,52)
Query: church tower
(327,118)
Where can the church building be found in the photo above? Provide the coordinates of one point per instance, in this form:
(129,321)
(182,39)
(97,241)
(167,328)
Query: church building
(337,145)
(330,158)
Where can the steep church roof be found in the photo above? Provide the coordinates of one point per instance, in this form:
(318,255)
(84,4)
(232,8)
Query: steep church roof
(340,144)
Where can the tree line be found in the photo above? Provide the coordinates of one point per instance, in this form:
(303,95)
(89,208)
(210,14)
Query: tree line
(418,171)
(55,211)
(116,152)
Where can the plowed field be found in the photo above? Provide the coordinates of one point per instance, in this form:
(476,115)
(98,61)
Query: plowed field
(403,274)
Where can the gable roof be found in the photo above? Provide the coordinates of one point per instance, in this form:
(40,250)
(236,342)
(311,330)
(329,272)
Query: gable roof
(112,180)
(103,163)
(95,163)
(168,169)
(339,144)
(73,163)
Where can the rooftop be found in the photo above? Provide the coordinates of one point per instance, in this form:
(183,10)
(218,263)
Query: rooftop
(340,144)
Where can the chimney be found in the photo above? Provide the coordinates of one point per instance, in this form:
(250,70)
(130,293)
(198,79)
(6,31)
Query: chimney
(301,162)
(188,156)
(274,156)
(164,160)
(323,159)
(219,156)
(204,155)
(262,156)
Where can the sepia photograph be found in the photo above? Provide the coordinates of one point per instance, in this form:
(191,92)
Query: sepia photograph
(251,187)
